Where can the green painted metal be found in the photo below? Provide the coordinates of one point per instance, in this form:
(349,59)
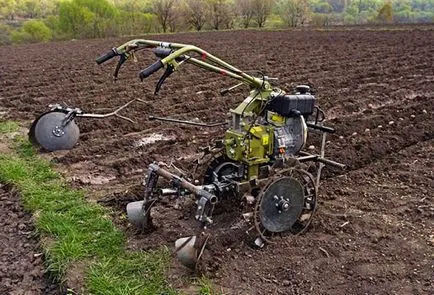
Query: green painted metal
(245,141)
(221,66)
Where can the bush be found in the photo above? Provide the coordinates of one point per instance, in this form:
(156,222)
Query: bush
(5,34)
(321,19)
(274,21)
(135,23)
(88,18)
(31,32)
(52,22)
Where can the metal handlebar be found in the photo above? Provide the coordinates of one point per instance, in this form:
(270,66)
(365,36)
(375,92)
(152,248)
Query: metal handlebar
(178,52)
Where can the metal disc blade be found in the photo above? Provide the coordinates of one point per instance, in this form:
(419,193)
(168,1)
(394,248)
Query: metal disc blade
(31,134)
(186,251)
(32,137)
(47,132)
(281,204)
(136,214)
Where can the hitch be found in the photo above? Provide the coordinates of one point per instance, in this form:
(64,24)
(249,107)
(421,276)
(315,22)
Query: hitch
(204,194)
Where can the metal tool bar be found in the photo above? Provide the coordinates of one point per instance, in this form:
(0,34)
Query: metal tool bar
(320,128)
(331,163)
(184,183)
(322,154)
(309,157)
(114,113)
(187,122)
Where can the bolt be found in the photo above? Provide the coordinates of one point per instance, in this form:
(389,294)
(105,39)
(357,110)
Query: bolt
(58,131)
(280,211)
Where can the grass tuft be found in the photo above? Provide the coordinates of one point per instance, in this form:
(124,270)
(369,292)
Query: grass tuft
(8,127)
(132,273)
(206,287)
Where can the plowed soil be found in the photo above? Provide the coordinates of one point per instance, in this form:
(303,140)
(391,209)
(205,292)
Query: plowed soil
(22,270)
(374,231)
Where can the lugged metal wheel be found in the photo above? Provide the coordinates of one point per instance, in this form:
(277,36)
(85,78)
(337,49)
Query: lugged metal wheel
(286,204)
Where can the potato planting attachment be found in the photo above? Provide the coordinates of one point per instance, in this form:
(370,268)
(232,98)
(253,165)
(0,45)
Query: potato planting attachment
(260,161)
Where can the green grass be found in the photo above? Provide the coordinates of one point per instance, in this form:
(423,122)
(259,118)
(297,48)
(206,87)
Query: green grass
(206,287)
(133,274)
(79,231)
(8,127)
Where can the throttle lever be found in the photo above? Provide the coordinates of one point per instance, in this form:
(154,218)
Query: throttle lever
(169,71)
(121,61)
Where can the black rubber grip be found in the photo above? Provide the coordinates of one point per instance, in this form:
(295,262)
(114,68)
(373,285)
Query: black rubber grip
(321,128)
(161,52)
(109,55)
(150,70)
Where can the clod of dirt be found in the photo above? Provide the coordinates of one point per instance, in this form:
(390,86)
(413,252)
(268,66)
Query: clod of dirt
(152,138)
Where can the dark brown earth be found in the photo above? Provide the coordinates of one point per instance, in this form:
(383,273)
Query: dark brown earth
(374,231)
(22,270)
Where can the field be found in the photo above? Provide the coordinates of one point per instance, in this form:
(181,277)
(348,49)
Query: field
(374,231)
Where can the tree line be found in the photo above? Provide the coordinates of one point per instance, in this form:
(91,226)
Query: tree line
(44,20)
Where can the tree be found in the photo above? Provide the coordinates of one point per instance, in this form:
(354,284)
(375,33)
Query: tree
(261,9)
(385,14)
(132,18)
(196,13)
(246,11)
(104,16)
(75,20)
(361,11)
(338,5)
(321,6)
(322,12)
(48,8)
(293,12)
(8,8)
(228,15)
(31,8)
(220,14)
(165,12)
(87,18)
(5,34)
(32,31)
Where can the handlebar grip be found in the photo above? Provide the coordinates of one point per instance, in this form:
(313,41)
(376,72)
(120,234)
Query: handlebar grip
(109,55)
(151,69)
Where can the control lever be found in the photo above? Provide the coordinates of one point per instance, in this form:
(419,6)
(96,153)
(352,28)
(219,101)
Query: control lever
(169,71)
(225,91)
(123,58)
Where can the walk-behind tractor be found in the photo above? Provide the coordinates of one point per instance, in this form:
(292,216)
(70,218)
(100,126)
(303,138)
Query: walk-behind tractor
(260,160)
